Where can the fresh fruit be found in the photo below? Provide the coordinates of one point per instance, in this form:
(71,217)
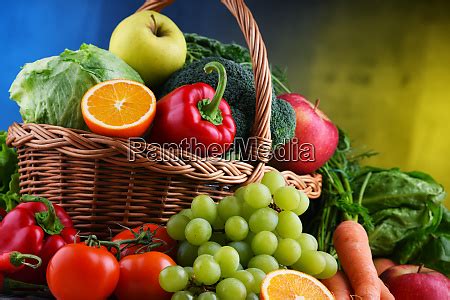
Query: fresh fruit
(288,252)
(186,254)
(198,231)
(206,269)
(210,248)
(416,282)
(246,278)
(176,226)
(173,279)
(307,242)
(228,259)
(231,289)
(244,250)
(151,43)
(264,262)
(257,195)
(78,271)
(263,219)
(119,108)
(258,276)
(273,180)
(182,295)
(316,138)
(310,262)
(289,225)
(236,228)
(139,276)
(228,207)
(264,242)
(302,205)
(331,266)
(292,285)
(287,198)
(204,207)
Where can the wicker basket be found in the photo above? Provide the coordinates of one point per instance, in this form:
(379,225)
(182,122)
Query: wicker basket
(93,179)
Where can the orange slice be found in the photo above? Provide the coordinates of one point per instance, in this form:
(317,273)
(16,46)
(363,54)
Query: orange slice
(119,108)
(293,285)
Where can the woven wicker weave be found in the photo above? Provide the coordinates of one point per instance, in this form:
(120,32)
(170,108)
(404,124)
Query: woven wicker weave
(92,177)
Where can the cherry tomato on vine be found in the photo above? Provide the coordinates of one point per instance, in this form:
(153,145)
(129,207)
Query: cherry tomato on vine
(139,276)
(160,235)
(78,271)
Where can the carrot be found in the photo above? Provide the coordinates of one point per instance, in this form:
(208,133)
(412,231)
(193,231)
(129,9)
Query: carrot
(385,293)
(382,264)
(339,286)
(352,246)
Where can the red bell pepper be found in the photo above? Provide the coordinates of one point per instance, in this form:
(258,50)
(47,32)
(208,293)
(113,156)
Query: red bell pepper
(36,227)
(187,117)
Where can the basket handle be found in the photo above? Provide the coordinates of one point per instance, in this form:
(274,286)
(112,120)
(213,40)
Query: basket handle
(261,143)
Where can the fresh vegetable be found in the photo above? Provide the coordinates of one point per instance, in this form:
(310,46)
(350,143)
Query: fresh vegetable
(9,286)
(199,47)
(139,275)
(240,94)
(233,244)
(196,111)
(339,286)
(352,246)
(39,228)
(154,234)
(49,90)
(80,271)
(9,177)
(119,108)
(11,262)
(382,264)
(316,138)
(151,43)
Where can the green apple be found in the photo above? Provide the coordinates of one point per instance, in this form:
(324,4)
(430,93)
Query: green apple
(152,44)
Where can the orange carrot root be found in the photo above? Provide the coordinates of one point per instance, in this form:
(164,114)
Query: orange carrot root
(352,246)
(339,286)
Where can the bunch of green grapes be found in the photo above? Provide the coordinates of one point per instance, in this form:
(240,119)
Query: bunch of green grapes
(227,248)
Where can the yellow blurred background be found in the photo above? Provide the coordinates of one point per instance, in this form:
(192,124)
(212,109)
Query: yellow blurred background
(382,72)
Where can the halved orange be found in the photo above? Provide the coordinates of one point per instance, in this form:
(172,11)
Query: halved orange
(293,285)
(119,108)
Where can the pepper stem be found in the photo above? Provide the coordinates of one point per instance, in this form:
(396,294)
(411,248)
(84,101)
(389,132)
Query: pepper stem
(209,109)
(48,220)
(17,259)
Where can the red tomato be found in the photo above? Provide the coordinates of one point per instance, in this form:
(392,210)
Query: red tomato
(139,276)
(160,235)
(78,271)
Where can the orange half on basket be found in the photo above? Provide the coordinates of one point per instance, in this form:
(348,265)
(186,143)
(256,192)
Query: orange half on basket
(293,285)
(119,108)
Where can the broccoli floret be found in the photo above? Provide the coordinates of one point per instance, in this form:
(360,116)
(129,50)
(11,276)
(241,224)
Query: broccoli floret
(282,122)
(239,93)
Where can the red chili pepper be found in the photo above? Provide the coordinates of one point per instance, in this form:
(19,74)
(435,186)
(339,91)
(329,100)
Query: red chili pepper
(36,227)
(187,112)
(13,261)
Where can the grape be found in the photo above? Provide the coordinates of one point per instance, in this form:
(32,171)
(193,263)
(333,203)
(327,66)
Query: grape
(186,212)
(258,276)
(219,223)
(204,207)
(239,193)
(264,262)
(247,211)
(182,295)
(273,180)
(289,225)
(208,248)
(228,259)
(263,219)
(219,237)
(176,226)
(257,195)
(287,198)
(198,231)
(173,279)
(186,254)
(206,269)
(236,228)
(231,289)
(310,262)
(307,242)
(228,207)
(240,267)
(246,278)
(330,266)
(302,205)
(252,296)
(249,237)
(207,296)
(288,252)
(264,242)
(189,271)
(244,250)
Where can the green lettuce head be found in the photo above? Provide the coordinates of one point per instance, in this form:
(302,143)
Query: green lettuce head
(49,91)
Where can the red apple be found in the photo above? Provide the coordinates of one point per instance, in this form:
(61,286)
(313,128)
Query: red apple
(315,141)
(407,282)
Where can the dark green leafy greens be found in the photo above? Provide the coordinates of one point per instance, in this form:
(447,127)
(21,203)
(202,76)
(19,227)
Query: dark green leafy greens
(9,178)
